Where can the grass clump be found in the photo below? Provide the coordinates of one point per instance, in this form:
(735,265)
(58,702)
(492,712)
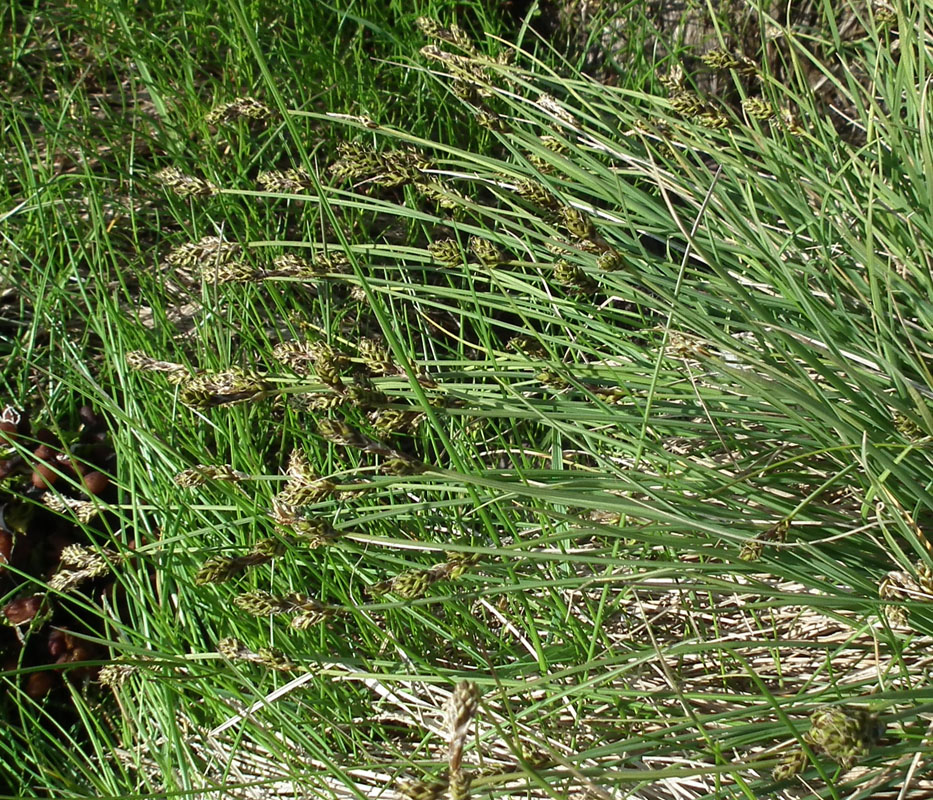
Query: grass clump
(617,417)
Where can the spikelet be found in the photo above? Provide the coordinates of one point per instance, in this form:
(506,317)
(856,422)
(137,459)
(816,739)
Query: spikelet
(753,548)
(338,432)
(298,356)
(202,473)
(429,27)
(334,262)
(262,604)
(298,464)
(363,394)
(458,784)
(209,389)
(208,252)
(323,265)
(234,650)
(328,364)
(447,198)
(320,401)
(391,421)
(242,108)
(458,714)
(884,13)
(357,162)
(535,192)
(311,618)
(458,563)
(218,569)
(576,222)
(83,510)
(612,395)
(185,185)
(470,72)
(903,586)
(554,145)
(843,733)
(687,103)
(312,532)
(907,427)
(610,260)
(303,487)
(673,79)
(756,108)
(137,360)
(86,558)
(528,346)
(553,380)
(115,674)
(574,279)
(316,533)
(454,35)
(491,121)
(422,790)
(414,583)
(305,491)
(891,588)
(790,123)
(274,658)
(400,465)
(488,254)
(446,252)
(553,109)
(723,60)
(79,564)
(288,265)
(712,118)
(286,181)
(376,357)
(793,763)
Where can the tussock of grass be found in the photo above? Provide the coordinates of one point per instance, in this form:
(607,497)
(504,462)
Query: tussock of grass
(615,407)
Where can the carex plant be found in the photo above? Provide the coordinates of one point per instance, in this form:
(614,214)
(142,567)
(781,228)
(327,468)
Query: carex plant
(645,354)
